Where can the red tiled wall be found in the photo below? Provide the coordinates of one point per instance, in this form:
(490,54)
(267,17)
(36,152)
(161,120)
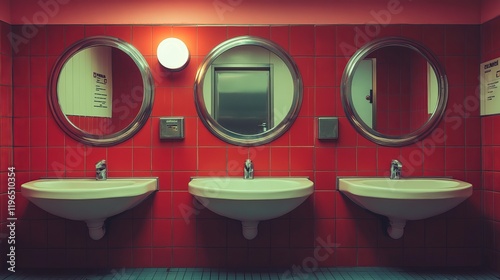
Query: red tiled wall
(393,86)
(167,230)
(491,154)
(6,151)
(418,92)
(401,85)
(127,90)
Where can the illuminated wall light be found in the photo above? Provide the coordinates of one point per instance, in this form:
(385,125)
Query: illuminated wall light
(173,54)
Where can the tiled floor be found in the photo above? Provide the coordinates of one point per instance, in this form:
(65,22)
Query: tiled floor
(194,273)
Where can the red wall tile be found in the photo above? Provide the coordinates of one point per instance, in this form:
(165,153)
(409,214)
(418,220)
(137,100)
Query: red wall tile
(301,40)
(490,146)
(123,32)
(170,230)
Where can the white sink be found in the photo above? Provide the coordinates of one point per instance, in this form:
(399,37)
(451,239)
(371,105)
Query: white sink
(405,199)
(88,200)
(251,200)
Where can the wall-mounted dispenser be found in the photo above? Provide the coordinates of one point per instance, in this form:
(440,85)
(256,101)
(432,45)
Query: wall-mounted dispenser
(172,128)
(328,128)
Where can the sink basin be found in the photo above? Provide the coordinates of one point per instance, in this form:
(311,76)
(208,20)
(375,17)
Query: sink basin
(405,199)
(251,200)
(87,199)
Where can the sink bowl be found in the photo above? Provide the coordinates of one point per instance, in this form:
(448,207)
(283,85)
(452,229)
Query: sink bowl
(251,200)
(87,199)
(405,199)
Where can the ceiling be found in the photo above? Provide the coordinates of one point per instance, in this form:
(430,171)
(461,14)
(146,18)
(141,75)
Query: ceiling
(248,11)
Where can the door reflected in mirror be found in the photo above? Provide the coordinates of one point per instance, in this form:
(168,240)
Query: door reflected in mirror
(394,90)
(242,98)
(248,91)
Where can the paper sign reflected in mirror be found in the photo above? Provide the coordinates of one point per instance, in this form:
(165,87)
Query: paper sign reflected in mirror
(101,91)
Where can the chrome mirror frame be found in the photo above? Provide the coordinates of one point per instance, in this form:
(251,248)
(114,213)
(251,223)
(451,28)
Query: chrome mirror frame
(368,132)
(147,102)
(228,135)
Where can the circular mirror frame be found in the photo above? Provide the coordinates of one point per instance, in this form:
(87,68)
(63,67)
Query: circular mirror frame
(228,135)
(352,115)
(147,102)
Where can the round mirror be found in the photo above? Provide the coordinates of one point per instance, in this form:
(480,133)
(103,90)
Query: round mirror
(101,91)
(394,91)
(248,91)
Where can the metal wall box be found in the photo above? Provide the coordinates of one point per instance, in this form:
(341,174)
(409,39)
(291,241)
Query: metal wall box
(328,128)
(172,128)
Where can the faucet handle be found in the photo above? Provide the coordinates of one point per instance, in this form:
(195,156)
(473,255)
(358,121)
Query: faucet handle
(100,163)
(396,163)
(248,164)
(396,169)
(248,169)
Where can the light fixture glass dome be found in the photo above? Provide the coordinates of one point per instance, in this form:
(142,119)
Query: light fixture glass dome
(173,54)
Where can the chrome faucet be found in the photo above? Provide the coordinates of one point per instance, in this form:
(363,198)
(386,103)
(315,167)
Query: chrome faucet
(396,169)
(101,171)
(248,169)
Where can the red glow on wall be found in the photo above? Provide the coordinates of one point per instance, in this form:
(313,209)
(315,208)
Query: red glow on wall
(159,232)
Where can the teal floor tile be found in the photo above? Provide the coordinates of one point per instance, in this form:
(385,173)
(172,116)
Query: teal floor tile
(341,273)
